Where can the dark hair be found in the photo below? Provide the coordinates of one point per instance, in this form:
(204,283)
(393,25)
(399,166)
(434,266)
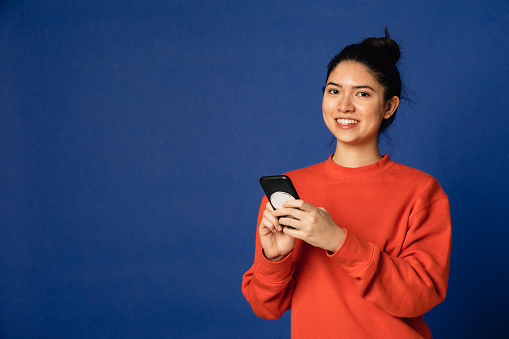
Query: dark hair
(380,56)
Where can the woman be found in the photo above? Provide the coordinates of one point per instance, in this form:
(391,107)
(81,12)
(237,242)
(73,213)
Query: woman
(367,253)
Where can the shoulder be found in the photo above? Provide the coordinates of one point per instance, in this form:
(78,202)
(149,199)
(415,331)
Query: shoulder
(309,170)
(423,184)
(306,174)
(308,178)
(428,199)
(408,172)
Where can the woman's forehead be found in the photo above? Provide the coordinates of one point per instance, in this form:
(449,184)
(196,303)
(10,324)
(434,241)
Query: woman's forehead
(352,73)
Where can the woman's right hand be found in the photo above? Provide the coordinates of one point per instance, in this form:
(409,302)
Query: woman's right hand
(276,244)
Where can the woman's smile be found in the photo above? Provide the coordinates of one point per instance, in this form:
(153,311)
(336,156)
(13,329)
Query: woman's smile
(347,123)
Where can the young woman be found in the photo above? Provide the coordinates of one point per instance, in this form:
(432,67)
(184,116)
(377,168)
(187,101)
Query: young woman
(368,250)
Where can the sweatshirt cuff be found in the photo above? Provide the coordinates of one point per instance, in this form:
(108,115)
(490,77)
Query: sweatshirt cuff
(275,272)
(354,255)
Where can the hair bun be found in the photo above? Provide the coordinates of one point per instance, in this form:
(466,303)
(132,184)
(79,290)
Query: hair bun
(388,47)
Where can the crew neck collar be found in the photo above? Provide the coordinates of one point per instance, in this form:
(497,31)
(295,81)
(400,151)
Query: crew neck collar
(357,172)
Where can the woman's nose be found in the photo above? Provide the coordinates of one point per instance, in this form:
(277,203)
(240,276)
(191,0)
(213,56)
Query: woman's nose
(345,104)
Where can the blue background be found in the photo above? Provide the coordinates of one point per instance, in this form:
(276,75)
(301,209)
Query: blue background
(133,134)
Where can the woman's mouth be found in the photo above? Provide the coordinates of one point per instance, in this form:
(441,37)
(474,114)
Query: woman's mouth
(347,122)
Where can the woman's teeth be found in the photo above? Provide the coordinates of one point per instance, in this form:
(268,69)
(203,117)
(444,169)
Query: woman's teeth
(347,121)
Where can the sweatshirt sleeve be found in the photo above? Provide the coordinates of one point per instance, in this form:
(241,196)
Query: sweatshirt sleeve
(268,286)
(410,284)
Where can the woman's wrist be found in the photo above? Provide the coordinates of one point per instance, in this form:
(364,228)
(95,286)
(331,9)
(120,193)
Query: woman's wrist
(274,259)
(339,238)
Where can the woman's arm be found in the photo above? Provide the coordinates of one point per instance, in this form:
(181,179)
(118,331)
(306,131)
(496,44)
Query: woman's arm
(416,280)
(405,286)
(268,285)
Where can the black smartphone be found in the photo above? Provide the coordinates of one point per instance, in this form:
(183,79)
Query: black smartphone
(278,189)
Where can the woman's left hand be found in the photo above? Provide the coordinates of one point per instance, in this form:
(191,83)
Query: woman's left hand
(311,224)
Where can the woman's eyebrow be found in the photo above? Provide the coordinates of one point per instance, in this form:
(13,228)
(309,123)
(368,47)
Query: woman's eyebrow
(355,87)
(364,86)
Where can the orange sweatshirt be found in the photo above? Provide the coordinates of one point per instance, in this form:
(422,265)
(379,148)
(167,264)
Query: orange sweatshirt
(392,267)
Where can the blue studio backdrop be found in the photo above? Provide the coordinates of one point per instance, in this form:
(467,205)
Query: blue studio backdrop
(133,134)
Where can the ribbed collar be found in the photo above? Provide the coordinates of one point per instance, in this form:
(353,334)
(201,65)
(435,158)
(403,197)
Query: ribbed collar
(358,172)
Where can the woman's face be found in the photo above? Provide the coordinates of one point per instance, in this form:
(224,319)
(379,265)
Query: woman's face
(353,104)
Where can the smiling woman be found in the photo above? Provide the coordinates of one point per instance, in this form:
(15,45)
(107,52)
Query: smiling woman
(367,251)
(353,109)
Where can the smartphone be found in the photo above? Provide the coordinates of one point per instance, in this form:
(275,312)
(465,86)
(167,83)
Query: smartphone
(278,189)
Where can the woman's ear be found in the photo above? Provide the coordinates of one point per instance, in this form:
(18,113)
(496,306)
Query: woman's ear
(390,107)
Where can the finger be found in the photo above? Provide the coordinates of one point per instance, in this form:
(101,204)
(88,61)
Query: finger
(272,219)
(293,212)
(293,232)
(268,206)
(269,225)
(289,222)
(300,204)
(269,215)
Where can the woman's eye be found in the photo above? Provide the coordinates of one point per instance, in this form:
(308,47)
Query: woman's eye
(333,91)
(363,94)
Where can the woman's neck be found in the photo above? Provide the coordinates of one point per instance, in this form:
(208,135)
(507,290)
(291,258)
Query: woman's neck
(356,156)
